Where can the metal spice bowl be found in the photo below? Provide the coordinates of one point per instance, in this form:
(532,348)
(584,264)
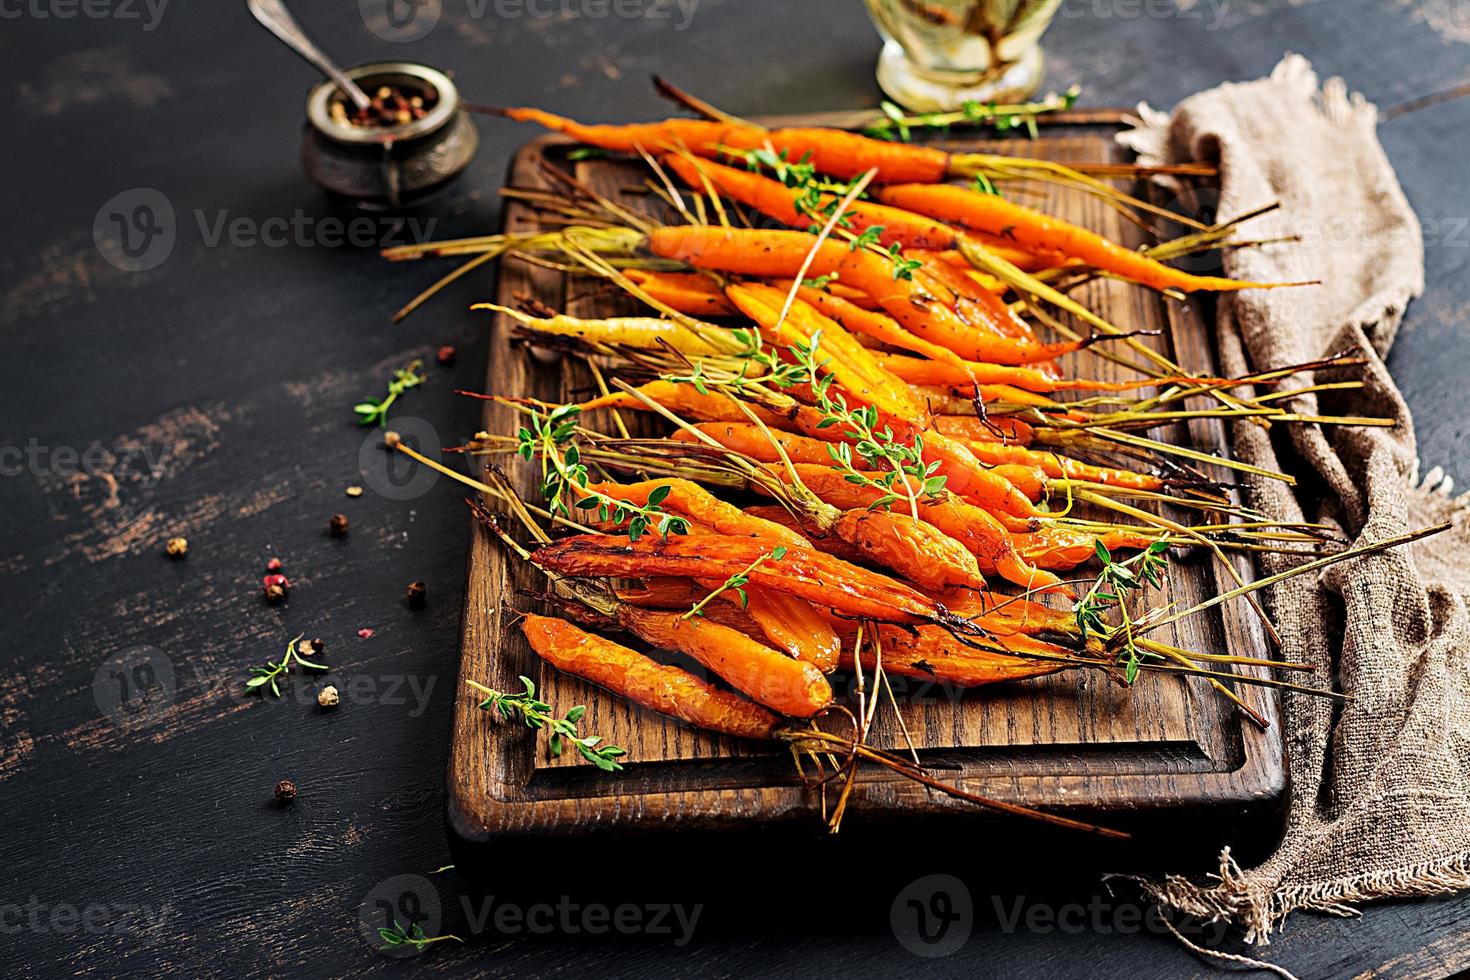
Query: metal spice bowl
(394,167)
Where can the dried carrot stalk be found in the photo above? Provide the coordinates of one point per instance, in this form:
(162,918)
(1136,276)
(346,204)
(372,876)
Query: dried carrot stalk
(786,686)
(1033,230)
(667,690)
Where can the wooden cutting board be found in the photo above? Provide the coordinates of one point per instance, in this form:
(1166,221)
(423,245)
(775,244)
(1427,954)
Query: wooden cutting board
(1076,743)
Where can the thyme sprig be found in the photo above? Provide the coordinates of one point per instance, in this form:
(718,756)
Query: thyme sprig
(537,714)
(906,476)
(552,437)
(895,124)
(414,936)
(1110,592)
(738,582)
(374,411)
(269,674)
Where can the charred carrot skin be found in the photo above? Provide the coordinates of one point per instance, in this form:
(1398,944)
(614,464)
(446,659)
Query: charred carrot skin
(666,690)
(933,655)
(830,151)
(782,254)
(786,686)
(1033,230)
(808,574)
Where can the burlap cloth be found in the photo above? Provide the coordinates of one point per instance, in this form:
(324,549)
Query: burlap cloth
(1380,786)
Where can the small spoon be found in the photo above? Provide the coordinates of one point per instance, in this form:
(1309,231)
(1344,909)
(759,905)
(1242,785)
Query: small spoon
(278,20)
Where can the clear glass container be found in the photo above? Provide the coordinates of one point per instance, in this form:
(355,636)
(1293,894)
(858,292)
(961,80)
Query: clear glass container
(939,54)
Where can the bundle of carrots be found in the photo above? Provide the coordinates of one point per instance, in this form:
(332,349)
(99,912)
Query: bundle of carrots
(868,431)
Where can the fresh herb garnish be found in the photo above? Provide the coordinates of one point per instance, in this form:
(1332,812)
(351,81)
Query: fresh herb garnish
(537,714)
(414,936)
(738,582)
(563,475)
(1110,591)
(895,124)
(374,411)
(268,674)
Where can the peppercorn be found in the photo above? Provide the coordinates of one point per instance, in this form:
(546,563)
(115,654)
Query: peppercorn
(277,587)
(417,595)
(285,791)
(328,697)
(274,565)
(176,548)
(391,439)
(311,648)
(337,526)
(446,355)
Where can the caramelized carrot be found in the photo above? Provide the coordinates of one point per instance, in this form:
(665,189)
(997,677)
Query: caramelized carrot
(792,625)
(831,151)
(828,544)
(1063,548)
(934,372)
(781,255)
(1033,230)
(871,323)
(997,428)
(682,399)
(1029,479)
(692,500)
(930,654)
(928,556)
(687,292)
(786,686)
(1057,466)
(667,690)
(820,579)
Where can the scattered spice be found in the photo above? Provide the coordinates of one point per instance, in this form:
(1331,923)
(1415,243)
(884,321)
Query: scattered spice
(417,595)
(391,440)
(366,632)
(277,587)
(267,675)
(337,526)
(311,648)
(176,548)
(446,355)
(274,565)
(328,697)
(390,106)
(285,791)
(354,491)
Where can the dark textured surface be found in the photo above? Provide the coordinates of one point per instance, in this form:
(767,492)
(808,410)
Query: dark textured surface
(217,390)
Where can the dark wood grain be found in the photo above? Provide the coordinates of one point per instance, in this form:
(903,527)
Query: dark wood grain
(1071,742)
(236,368)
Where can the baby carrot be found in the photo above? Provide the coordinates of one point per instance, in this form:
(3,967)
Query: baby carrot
(786,686)
(686,292)
(1031,229)
(820,579)
(644,681)
(927,556)
(692,500)
(632,331)
(792,625)
(781,255)
(831,151)
(932,655)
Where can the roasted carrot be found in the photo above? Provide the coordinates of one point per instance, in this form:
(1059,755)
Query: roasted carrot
(995,428)
(782,254)
(692,500)
(682,399)
(932,655)
(791,624)
(786,686)
(686,292)
(930,558)
(831,151)
(1026,477)
(1057,466)
(871,323)
(820,579)
(1061,548)
(631,331)
(644,681)
(829,544)
(1033,230)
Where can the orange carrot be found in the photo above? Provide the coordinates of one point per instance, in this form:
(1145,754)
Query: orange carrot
(786,686)
(871,323)
(932,655)
(692,500)
(686,292)
(831,151)
(781,255)
(1029,479)
(667,690)
(927,555)
(683,400)
(1062,548)
(820,579)
(792,625)
(1057,466)
(997,428)
(1033,230)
